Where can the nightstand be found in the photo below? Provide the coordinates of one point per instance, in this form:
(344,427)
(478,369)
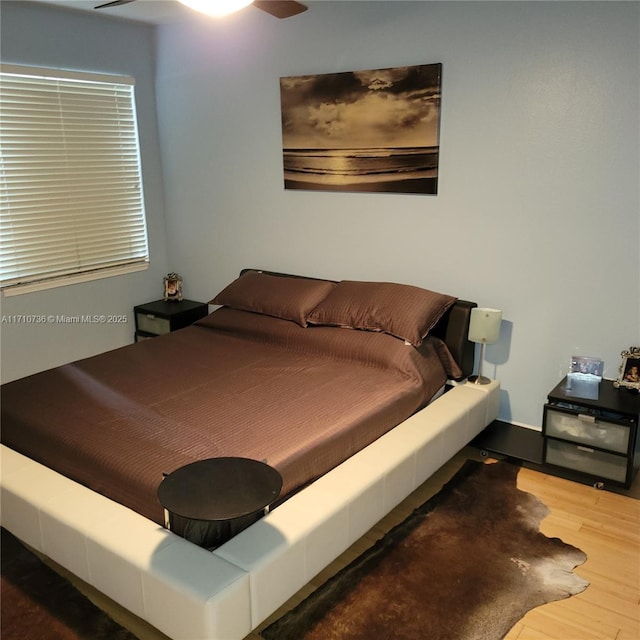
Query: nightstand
(163,316)
(595,437)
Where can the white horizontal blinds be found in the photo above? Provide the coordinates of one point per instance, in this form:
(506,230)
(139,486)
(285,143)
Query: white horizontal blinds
(70,176)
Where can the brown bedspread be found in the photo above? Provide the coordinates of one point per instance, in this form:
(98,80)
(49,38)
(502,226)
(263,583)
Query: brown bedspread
(235,384)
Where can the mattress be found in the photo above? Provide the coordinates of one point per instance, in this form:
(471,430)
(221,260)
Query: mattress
(234,384)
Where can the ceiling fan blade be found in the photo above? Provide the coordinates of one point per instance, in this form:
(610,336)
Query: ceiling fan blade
(114,3)
(280,8)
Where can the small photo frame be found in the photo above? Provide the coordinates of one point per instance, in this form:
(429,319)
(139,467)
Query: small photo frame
(172,287)
(587,365)
(629,374)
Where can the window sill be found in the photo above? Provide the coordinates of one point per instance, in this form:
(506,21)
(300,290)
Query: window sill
(42,285)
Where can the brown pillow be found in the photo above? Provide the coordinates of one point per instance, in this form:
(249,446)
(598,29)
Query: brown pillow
(401,310)
(281,297)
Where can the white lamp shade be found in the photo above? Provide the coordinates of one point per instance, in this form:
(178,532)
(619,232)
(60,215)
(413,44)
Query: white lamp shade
(485,325)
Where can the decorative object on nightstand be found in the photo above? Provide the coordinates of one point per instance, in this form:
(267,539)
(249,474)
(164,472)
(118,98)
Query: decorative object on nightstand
(172,286)
(163,316)
(587,366)
(592,439)
(585,375)
(629,374)
(484,328)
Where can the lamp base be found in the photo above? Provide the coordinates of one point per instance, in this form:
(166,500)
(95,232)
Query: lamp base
(478,380)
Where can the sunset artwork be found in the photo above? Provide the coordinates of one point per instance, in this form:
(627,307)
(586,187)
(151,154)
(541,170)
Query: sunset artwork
(367,131)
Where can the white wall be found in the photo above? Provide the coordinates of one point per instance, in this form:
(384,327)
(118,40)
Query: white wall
(40,35)
(538,210)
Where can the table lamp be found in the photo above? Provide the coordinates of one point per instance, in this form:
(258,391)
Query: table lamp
(484,327)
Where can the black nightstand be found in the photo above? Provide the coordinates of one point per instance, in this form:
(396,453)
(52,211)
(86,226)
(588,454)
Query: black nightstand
(593,435)
(163,316)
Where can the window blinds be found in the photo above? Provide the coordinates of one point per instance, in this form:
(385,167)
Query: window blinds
(70,176)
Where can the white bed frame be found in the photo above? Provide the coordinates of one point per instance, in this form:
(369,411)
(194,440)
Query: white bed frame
(192,594)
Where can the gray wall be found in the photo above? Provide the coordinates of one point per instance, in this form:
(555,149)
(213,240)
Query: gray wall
(538,210)
(42,36)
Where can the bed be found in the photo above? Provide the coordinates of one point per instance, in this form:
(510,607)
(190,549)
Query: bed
(310,375)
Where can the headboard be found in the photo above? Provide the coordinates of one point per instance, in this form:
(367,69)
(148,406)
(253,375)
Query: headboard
(452,328)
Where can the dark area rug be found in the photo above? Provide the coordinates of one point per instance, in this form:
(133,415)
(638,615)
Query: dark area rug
(466,565)
(38,603)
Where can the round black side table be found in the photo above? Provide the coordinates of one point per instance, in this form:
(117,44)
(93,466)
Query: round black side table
(209,501)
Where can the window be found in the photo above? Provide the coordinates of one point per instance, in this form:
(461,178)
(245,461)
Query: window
(71,201)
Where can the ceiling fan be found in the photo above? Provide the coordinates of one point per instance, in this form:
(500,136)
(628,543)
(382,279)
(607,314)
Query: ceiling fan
(277,8)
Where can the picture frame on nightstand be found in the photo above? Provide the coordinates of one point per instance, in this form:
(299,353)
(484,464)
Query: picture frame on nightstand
(587,365)
(629,373)
(172,287)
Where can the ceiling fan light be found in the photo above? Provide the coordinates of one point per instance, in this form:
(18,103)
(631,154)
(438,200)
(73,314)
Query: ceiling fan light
(216,8)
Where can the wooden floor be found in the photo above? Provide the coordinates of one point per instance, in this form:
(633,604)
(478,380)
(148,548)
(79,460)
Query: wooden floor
(606,526)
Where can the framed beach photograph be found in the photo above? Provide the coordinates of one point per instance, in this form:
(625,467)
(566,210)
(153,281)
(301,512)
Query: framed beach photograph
(366,131)
(629,374)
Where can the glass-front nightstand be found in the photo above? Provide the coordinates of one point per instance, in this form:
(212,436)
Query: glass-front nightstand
(596,435)
(163,316)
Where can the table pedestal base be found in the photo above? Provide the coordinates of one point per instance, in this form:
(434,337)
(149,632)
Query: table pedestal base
(209,534)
